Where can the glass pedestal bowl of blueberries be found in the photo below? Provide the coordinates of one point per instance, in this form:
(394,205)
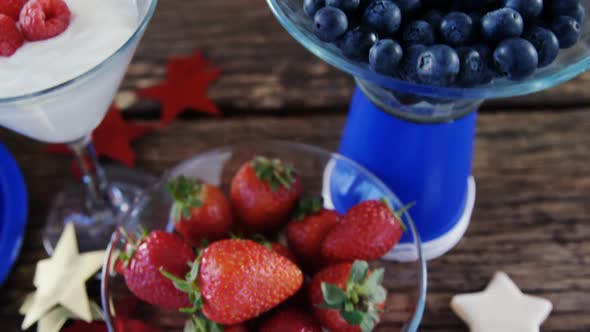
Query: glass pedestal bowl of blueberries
(450,55)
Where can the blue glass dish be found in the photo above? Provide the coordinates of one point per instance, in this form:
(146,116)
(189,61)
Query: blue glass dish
(13,211)
(569,64)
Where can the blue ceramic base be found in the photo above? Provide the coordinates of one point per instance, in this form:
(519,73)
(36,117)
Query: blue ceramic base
(429,164)
(13,212)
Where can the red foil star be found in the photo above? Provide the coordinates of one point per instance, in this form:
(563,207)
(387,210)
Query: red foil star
(112,138)
(185,87)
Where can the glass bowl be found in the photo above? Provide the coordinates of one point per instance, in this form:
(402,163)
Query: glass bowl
(569,64)
(340,181)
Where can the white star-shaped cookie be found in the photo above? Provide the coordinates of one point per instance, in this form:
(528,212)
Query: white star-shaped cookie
(501,307)
(61,280)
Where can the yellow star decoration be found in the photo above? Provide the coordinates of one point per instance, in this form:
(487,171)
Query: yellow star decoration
(60,282)
(56,318)
(501,307)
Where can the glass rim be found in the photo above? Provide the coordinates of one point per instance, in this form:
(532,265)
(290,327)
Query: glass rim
(412,324)
(140,28)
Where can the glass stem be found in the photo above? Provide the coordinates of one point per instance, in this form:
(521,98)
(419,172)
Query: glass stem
(101,194)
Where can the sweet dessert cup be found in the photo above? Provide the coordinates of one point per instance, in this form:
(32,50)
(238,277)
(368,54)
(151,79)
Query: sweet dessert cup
(67,113)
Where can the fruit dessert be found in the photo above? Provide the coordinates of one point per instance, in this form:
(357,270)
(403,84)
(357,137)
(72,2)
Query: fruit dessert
(47,42)
(462,43)
(218,269)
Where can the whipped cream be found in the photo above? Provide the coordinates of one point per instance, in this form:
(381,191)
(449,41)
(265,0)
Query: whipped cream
(98,28)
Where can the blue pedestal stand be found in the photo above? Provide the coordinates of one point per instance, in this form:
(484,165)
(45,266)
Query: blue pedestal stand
(429,164)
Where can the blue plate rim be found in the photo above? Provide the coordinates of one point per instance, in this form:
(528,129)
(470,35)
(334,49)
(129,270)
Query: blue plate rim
(13,218)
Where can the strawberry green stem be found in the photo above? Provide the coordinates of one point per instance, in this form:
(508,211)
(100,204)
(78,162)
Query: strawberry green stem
(358,304)
(398,213)
(274,172)
(185,193)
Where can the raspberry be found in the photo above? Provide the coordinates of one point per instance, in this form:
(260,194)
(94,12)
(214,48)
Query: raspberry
(11,8)
(44,19)
(11,38)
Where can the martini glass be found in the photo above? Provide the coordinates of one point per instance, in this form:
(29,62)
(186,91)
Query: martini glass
(419,139)
(68,113)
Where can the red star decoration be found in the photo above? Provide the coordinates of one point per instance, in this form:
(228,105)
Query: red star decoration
(185,87)
(112,138)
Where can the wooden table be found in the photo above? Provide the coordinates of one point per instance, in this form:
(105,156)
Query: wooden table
(532,160)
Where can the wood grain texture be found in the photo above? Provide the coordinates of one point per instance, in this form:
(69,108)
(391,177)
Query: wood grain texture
(531,217)
(265,69)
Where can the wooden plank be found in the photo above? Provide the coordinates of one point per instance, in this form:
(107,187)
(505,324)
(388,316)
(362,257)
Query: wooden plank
(265,68)
(531,218)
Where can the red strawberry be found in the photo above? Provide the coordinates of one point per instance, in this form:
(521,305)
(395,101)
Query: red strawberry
(44,19)
(307,231)
(367,231)
(291,319)
(348,297)
(239,280)
(11,8)
(144,259)
(263,193)
(200,323)
(283,251)
(235,328)
(275,246)
(200,211)
(11,39)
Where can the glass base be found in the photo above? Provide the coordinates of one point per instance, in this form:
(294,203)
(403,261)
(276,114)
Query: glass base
(94,229)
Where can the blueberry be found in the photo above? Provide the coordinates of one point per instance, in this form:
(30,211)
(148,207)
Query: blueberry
(385,56)
(329,24)
(574,9)
(384,16)
(488,59)
(347,6)
(473,67)
(438,65)
(516,58)
(546,44)
(567,31)
(409,64)
(408,7)
(418,32)
(357,43)
(456,28)
(434,17)
(501,24)
(526,8)
(310,7)
(438,4)
(470,5)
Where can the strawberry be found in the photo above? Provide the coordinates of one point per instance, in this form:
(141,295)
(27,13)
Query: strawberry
(275,246)
(348,297)
(367,231)
(291,319)
(11,8)
(306,232)
(200,211)
(44,19)
(143,259)
(199,323)
(11,39)
(235,328)
(263,193)
(236,280)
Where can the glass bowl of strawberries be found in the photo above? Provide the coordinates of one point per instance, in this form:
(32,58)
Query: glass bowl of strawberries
(265,236)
